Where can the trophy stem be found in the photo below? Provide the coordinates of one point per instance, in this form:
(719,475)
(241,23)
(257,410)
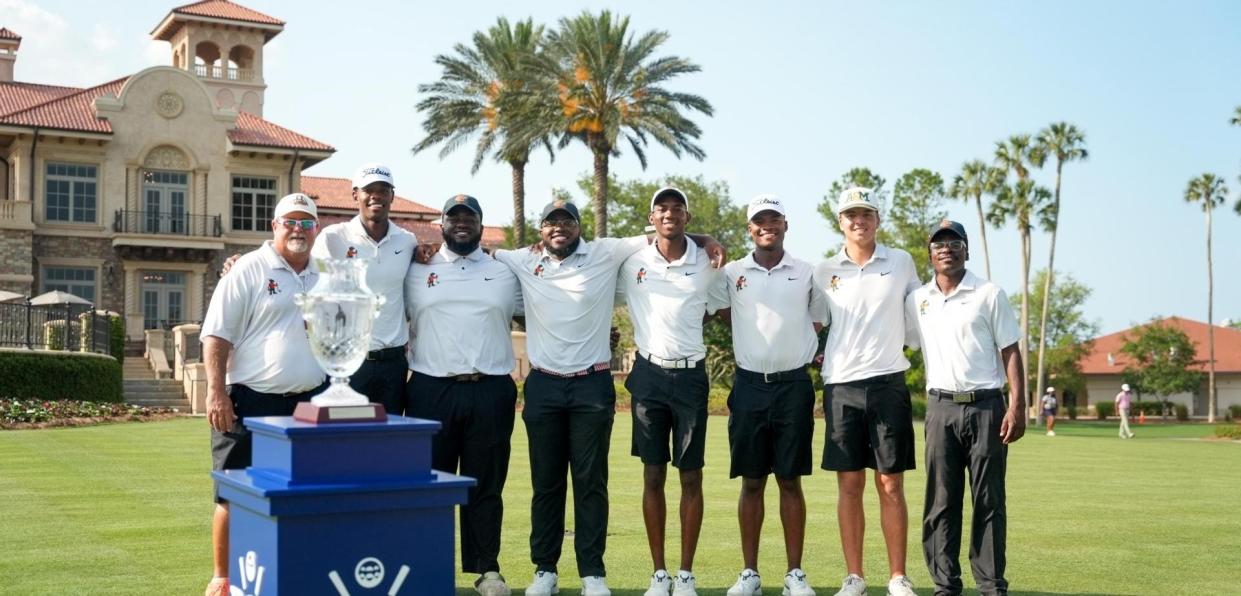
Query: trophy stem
(339,393)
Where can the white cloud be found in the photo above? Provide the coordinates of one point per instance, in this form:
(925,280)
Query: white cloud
(102,39)
(60,51)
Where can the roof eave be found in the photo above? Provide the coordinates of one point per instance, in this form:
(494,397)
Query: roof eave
(167,27)
(8,127)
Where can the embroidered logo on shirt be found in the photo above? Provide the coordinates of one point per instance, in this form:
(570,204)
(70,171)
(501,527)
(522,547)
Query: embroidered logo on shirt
(741,283)
(538,271)
(351,253)
(922,307)
(433,280)
(834,284)
(273,288)
(641,277)
(884,273)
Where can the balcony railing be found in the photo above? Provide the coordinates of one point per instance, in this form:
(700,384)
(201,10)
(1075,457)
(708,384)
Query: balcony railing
(224,72)
(167,222)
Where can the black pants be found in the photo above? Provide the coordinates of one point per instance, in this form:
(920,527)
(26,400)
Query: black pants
(961,436)
(475,441)
(569,422)
(383,381)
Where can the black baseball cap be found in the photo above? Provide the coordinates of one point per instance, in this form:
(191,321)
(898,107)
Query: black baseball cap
(949,226)
(466,201)
(559,205)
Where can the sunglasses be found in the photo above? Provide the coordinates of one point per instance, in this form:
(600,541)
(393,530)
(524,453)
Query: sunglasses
(293,224)
(568,224)
(949,244)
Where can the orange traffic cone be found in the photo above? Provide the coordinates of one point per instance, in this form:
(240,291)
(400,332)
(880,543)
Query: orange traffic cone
(1142,417)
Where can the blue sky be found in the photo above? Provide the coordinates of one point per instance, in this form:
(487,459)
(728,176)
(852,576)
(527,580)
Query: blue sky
(802,91)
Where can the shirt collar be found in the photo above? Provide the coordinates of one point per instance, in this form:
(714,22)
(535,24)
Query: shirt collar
(449,256)
(689,258)
(583,248)
(275,261)
(360,230)
(842,258)
(969,283)
(749,263)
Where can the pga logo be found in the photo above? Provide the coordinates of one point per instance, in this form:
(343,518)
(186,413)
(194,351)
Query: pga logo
(251,576)
(369,574)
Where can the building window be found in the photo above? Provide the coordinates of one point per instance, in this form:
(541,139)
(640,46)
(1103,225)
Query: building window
(70,192)
(254,201)
(79,281)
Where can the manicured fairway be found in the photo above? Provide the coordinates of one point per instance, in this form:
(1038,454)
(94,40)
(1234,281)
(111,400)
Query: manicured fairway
(123,509)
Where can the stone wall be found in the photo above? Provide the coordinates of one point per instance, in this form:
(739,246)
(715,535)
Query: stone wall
(16,261)
(84,252)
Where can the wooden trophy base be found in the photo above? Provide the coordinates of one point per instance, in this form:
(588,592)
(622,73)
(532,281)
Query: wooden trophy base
(315,414)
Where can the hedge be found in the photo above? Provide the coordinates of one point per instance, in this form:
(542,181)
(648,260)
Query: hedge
(52,376)
(1104,409)
(1228,431)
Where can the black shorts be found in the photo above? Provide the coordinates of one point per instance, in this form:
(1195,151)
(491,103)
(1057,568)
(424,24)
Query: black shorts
(231,450)
(771,425)
(669,401)
(869,425)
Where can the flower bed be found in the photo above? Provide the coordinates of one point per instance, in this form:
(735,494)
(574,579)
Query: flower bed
(20,414)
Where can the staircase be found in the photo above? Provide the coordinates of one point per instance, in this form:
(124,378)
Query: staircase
(141,388)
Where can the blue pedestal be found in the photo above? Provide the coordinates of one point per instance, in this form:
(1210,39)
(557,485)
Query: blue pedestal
(341,509)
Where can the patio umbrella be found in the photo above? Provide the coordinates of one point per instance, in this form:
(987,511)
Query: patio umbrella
(6,296)
(58,297)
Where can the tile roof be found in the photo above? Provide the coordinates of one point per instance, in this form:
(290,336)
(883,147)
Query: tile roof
(19,96)
(252,130)
(223,9)
(68,108)
(336,193)
(1227,348)
(6,33)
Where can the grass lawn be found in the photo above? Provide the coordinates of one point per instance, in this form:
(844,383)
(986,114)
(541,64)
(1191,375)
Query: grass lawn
(123,509)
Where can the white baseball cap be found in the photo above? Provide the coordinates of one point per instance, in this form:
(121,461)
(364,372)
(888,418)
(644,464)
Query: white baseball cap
(1051,389)
(858,196)
(296,202)
(764,202)
(372,172)
(1124,386)
(670,190)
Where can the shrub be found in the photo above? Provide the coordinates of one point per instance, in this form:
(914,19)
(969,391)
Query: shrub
(1072,411)
(919,408)
(1182,412)
(717,400)
(1234,412)
(18,412)
(45,376)
(1104,409)
(116,333)
(1228,431)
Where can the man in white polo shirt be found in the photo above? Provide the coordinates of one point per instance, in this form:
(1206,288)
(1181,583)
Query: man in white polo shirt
(256,350)
(569,289)
(388,248)
(460,305)
(969,338)
(775,311)
(865,400)
(666,285)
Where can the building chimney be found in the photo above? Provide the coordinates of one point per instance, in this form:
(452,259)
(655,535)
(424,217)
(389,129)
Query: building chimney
(9,42)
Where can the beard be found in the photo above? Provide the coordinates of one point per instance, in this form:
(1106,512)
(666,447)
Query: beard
(462,248)
(563,253)
(297,245)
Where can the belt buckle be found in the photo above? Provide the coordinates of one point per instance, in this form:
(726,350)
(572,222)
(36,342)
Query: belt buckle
(767,378)
(963,398)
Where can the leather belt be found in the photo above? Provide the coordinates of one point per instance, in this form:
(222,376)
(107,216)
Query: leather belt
(468,378)
(594,368)
(965,397)
(666,363)
(784,376)
(392,353)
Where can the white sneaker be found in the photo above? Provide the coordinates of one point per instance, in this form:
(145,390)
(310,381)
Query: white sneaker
(852,586)
(593,585)
(795,584)
(748,584)
(492,584)
(661,584)
(901,586)
(683,584)
(544,584)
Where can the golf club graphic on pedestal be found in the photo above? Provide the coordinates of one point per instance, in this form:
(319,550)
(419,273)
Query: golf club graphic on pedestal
(340,499)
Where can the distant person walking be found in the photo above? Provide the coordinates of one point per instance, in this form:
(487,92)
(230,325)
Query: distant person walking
(1124,399)
(1050,405)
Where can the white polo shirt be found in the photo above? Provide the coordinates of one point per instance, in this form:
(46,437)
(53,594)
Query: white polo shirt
(388,262)
(569,303)
(867,302)
(253,309)
(962,333)
(773,312)
(667,300)
(460,308)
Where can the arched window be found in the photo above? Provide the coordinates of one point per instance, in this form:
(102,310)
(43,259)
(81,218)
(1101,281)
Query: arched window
(207,60)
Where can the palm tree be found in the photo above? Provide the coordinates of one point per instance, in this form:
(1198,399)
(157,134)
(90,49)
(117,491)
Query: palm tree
(476,93)
(1022,201)
(1209,190)
(975,180)
(1018,154)
(1066,143)
(609,84)
(1236,117)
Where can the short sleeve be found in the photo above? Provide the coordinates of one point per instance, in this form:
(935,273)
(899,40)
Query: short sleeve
(1003,322)
(819,311)
(717,295)
(911,281)
(230,307)
(912,337)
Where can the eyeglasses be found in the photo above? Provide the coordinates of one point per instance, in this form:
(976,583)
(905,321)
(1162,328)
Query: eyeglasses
(676,208)
(292,224)
(949,244)
(559,223)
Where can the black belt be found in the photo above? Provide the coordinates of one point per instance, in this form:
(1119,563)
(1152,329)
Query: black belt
(965,397)
(387,353)
(468,378)
(594,368)
(784,376)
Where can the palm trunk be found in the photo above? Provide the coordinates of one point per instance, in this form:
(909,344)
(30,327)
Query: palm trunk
(601,193)
(519,201)
(1025,315)
(982,229)
(1210,321)
(1047,285)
